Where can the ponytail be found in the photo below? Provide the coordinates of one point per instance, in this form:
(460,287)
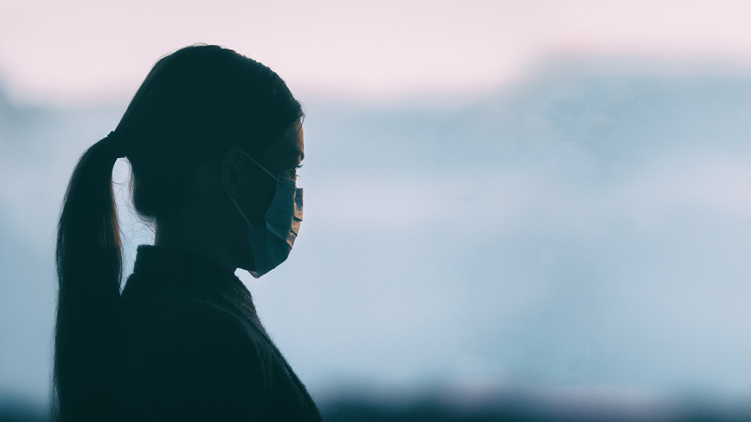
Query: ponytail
(89,261)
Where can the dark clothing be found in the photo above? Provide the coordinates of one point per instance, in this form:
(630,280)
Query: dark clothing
(194,348)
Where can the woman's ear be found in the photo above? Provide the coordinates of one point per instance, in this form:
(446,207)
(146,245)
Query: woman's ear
(231,169)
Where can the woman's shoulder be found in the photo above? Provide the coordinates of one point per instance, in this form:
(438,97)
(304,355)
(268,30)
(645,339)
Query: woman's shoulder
(203,358)
(205,329)
(194,362)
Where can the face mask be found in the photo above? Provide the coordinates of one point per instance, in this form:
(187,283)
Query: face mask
(272,244)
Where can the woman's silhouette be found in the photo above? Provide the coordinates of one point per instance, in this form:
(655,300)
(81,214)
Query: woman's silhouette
(213,139)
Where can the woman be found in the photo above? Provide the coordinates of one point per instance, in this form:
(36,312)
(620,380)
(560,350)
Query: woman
(213,139)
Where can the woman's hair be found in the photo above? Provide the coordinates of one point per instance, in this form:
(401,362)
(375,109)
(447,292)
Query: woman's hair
(194,105)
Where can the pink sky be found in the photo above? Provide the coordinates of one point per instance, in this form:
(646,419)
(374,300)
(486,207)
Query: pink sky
(89,50)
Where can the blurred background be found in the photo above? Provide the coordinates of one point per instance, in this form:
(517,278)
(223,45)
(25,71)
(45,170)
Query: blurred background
(514,209)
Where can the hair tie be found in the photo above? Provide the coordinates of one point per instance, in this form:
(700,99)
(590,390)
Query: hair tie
(114,142)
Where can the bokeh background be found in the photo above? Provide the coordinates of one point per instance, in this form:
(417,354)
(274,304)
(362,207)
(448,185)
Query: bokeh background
(535,205)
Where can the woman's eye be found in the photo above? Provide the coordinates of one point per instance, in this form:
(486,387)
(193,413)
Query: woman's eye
(293,172)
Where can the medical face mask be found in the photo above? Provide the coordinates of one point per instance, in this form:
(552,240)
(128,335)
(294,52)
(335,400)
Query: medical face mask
(272,244)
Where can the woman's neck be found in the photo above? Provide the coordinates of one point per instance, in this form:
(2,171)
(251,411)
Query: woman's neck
(193,231)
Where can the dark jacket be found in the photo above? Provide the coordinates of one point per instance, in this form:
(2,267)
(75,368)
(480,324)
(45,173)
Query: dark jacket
(194,348)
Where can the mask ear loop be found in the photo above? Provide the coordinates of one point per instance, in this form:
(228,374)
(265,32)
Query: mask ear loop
(233,199)
(262,168)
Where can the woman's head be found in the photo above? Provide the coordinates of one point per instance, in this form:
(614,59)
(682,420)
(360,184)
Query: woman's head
(196,109)
(194,105)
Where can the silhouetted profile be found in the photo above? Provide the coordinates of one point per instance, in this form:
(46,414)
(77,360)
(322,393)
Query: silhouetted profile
(214,139)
